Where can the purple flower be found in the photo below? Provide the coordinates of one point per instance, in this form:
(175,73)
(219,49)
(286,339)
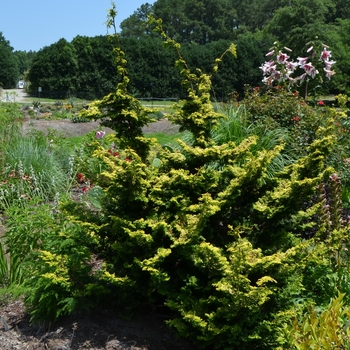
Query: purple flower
(100,134)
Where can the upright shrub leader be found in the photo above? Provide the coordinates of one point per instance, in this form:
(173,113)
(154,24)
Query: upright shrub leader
(214,245)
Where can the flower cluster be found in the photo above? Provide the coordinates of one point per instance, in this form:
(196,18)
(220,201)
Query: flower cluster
(282,69)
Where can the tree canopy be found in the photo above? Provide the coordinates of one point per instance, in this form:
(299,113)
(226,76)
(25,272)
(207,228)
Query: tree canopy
(8,65)
(84,67)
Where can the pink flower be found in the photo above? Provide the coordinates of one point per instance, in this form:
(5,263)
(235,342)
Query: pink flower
(329,73)
(310,49)
(291,65)
(277,75)
(282,57)
(325,55)
(302,60)
(268,67)
(329,64)
(100,134)
(270,53)
(310,69)
(320,103)
(302,77)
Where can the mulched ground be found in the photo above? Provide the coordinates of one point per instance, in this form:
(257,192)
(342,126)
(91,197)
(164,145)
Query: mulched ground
(99,330)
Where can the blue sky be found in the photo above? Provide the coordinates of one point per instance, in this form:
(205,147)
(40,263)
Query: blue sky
(33,24)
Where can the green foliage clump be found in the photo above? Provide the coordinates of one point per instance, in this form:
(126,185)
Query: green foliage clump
(278,107)
(321,330)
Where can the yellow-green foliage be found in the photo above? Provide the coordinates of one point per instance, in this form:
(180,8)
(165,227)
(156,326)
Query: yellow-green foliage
(216,244)
(220,247)
(321,329)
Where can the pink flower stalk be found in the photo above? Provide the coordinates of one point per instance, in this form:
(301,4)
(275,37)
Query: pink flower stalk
(287,49)
(100,134)
(281,69)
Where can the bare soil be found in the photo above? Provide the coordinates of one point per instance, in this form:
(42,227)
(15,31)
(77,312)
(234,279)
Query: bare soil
(69,129)
(101,329)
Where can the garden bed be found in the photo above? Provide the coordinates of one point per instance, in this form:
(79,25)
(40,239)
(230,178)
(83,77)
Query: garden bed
(70,129)
(101,329)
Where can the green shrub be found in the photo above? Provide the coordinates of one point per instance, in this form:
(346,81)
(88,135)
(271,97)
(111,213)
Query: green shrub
(278,107)
(222,247)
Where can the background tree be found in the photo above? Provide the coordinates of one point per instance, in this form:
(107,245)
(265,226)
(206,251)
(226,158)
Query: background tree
(134,25)
(300,21)
(151,68)
(196,21)
(96,75)
(54,69)
(8,65)
(24,60)
(202,27)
